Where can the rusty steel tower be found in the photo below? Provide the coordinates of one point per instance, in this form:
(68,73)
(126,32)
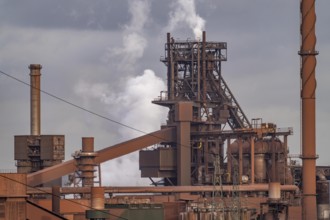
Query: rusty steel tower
(194,74)
(194,78)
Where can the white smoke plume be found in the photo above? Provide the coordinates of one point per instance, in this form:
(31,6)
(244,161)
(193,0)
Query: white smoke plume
(133,40)
(140,113)
(185,13)
(136,99)
(132,104)
(133,107)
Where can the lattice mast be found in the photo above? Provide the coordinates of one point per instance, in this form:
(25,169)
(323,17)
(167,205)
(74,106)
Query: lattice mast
(194,74)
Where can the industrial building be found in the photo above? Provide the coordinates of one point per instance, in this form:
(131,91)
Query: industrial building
(213,161)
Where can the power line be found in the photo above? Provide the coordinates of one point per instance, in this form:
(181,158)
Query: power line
(72,104)
(72,201)
(82,108)
(87,110)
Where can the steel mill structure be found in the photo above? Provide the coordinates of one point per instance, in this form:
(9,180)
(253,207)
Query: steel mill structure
(214,163)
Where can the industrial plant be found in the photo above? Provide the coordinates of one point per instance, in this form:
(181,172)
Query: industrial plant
(208,162)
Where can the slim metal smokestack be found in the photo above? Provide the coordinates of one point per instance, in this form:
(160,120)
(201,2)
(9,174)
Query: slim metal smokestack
(35,98)
(308,88)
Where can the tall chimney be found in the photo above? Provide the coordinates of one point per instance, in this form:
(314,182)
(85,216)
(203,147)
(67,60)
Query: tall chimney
(35,98)
(308,89)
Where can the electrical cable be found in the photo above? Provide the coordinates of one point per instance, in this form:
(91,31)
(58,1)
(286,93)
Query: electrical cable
(87,110)
(72,104)
(82,108)
(72,201)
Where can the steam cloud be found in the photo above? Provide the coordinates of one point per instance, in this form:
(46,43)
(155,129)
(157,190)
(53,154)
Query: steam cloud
(134,43)
(185,13)
(142,114)
(133,106)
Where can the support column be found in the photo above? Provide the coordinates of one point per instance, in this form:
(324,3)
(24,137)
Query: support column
(183,118)
(273,150)
(252,159)
(97,202)
(56,199)
(229,161)
(285,142)
(240,160)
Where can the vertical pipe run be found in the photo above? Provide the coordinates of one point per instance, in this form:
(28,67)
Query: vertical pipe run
(56,199)
(240,159)
(169,67)
(87,161)
(97,198)
(273,150)
(97,202)
(308,87)
(229,160)
(206,157)
(87,144)
(286,177)
(252,160)
(204,67)
(198,72)
(35,98)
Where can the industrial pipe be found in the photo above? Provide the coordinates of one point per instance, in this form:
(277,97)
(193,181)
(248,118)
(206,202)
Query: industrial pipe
(56,198)
(97,212)
(166,189)
(252,159)
(170,69)
(308,88)
(204,67)
(229,160)
(87,161)
(97,198)
(240,160)
(274,192)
